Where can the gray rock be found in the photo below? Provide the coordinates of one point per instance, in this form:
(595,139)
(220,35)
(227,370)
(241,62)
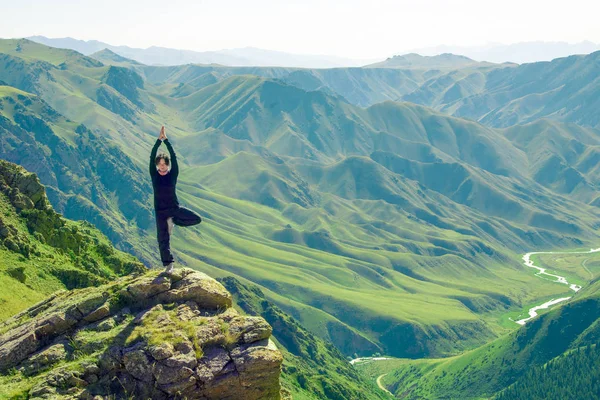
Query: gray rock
(162,351)
(91,302)
(180,387)
(250,329)
(149,286)
(138,365)
(160,371)
(215,359)
(90,368)
(184,345)
(92,379)
(101,312)
(105,325)
(211,333)
(181,360)
(258,364)
(110,360)
(200,288)
(54,324)
(164,374)
(44,359)
(185,312)
(204,373)
(17,350)
(42,390)
(139,318)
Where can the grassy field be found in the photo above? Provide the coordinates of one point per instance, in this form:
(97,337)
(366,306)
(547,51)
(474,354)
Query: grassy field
(576,268)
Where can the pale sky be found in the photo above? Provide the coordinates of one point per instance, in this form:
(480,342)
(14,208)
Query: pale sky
(348,28)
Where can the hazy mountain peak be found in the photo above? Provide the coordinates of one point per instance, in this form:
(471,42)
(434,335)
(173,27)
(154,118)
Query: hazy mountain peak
(414,60)
(247,56)
(523,52)
(110,57)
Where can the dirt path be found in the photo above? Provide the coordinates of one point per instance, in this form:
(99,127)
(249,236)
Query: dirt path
(584,267)
(381,386)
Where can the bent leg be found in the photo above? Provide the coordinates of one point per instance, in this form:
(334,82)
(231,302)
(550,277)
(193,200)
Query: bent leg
(184,217)
(163,237)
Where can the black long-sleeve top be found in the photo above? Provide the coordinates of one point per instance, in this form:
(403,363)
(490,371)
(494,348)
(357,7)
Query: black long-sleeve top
(164,185)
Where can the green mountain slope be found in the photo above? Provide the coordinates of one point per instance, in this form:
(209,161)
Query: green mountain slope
(299,194)
(359,86)
(312,368)
(41,251)
(562,157)
(571,376)
(561,336)
(107,56)
(564,89)
(85,173)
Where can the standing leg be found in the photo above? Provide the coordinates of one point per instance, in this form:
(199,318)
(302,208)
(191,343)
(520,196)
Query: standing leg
(185,217)
(163,237)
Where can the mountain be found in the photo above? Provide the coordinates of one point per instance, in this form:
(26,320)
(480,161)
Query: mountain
(562,337)
(524,52)
(42,252)
(355,221)
(562,156)
(109,57)
(77,165)
(248,56)
(568,376)
(442,61)
(562,90)
(359,86)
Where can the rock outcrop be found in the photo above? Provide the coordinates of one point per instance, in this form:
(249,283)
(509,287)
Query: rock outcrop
(148,336)
(73,252)
(22,188)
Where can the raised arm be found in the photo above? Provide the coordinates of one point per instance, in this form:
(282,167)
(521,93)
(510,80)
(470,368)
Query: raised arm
(153,171)
(174,165)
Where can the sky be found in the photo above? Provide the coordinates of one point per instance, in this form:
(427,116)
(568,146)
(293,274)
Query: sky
(351,28)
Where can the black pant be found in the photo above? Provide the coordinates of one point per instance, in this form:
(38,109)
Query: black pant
(181,217)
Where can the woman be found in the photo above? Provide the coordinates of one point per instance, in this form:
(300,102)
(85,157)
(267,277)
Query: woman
(166,207)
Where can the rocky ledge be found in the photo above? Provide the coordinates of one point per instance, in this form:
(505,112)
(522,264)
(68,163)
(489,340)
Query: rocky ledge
(148,336)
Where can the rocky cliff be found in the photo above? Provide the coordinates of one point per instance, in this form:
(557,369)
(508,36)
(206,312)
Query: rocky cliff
(147,336)
(42,252)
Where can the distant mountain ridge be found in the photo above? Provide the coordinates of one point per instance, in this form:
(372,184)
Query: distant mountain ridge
(247,56)
(413,60)
(564,89)
(524,52)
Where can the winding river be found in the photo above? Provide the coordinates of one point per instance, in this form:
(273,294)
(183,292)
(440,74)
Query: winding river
(558,279)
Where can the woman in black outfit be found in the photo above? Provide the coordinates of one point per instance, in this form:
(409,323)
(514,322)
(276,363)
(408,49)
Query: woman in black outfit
(166,207)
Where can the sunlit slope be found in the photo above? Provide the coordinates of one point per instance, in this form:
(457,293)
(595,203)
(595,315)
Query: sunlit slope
(85,175)
(41,252)
(564,89)
(488,370)
(393,228)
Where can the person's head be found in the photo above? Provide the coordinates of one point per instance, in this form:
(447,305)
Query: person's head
(162,164)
